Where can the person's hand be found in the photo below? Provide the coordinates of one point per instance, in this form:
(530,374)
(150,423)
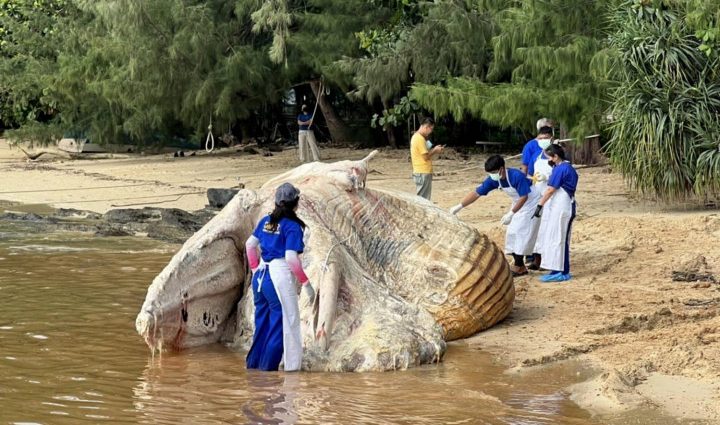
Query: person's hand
(456,209)
(538,211)
(507,218)
(539,177)
(439,148)
(309,292)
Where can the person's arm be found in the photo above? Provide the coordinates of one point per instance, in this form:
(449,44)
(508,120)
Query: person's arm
(251,251)
(486,187)
(524,169)
(467,200)
(293,260)
(519,204)
(549,192)
(432,152)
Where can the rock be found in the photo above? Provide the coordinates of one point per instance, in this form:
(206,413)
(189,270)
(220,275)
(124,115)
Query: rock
(132,215)
(174,225)
(111,231)
(218,198)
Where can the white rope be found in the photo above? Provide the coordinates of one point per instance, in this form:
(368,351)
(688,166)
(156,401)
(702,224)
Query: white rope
(210,140)
(317,101)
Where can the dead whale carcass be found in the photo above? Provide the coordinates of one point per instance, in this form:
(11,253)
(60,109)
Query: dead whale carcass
(395,276)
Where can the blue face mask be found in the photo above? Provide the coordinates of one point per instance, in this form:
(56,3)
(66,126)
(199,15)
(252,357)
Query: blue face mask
(428,144)
(495,176)
(544,143)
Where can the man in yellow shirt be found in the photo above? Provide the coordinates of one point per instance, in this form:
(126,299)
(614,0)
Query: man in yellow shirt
(421,153)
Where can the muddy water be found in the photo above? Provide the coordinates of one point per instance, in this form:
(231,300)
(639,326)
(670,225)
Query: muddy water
(69,354)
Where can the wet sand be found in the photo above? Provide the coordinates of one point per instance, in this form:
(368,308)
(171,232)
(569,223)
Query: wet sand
(657,340)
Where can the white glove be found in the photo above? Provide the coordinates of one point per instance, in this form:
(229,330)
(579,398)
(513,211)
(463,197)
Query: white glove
(456,209)
(507,218)
(309,292)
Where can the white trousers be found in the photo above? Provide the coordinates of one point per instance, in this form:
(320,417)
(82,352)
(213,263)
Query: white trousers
(307,146)
(286,290)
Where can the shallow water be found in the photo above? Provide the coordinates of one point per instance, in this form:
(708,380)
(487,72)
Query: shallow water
(69,354)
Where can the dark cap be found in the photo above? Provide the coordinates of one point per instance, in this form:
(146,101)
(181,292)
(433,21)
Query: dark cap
(286,193)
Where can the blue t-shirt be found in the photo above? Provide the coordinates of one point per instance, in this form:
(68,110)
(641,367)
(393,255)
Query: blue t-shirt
(564,176)
(304,117)
(515,179)
(287,237)
(529,154)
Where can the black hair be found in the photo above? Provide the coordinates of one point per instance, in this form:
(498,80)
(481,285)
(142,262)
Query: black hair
(494,163)
(427,121)
(555,150)
(545,130)
(285,209)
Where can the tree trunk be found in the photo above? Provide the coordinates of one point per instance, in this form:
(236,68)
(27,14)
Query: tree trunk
(390,131)
(585,151)
(339,131)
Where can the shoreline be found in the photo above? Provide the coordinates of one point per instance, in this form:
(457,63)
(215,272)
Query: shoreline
(657,340)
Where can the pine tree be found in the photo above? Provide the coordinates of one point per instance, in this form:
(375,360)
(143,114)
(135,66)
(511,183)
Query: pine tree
(544,56)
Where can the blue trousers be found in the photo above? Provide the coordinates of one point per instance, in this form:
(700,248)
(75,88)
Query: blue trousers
(267,347)
(566,269)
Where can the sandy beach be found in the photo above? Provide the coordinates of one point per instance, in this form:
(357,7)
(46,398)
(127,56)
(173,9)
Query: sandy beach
(656,340)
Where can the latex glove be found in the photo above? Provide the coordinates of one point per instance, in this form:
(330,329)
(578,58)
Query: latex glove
(507,218)
(538,211)
(309,292)
(456,209)
(539,177)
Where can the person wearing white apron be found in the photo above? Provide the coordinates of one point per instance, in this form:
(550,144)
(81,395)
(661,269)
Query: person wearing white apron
(522,228)
(277,314)
(540,171)
(557,209)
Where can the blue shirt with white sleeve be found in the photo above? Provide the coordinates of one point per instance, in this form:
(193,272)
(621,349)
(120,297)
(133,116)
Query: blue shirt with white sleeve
(529,154)
(515,179)
(287,237)
(564,176)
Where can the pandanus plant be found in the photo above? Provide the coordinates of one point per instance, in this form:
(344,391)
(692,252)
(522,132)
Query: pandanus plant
(665,122)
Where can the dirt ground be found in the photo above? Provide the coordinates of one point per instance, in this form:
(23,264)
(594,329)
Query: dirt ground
(656,339)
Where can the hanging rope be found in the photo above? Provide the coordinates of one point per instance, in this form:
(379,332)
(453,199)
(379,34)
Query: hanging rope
(210,140)
(317,101)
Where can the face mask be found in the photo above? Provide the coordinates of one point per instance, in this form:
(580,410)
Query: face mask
(428,144)
(544,143)
(550,163)
(495,176)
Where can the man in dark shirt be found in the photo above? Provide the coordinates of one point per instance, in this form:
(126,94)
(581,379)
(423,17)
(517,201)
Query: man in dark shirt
(307,145)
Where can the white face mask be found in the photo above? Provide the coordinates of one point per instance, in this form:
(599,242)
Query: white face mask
(495,176)
(428,144)
(544,143)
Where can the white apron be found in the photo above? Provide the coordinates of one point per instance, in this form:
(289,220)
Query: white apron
(522,230)
(541,166)
(553,233)
(286,289)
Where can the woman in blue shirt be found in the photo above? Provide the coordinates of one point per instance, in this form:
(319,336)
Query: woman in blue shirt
(277,314)
(522,229)
(557,208)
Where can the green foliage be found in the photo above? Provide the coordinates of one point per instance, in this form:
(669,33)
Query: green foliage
(665,105)
(704,17)
(395,116)
(29,34)
(544,56)
(425,43)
